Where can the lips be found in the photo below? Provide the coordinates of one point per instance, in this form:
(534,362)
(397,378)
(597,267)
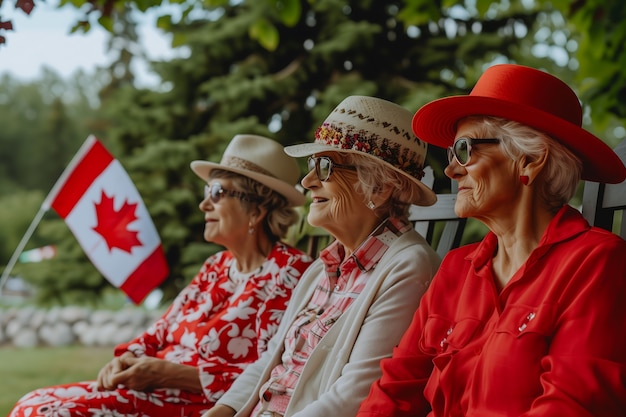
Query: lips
(319,200)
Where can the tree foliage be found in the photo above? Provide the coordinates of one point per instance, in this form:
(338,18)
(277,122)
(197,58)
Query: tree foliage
(277,68)
(228,83)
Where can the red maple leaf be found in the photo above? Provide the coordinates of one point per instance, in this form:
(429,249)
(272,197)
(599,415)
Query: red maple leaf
(113,225)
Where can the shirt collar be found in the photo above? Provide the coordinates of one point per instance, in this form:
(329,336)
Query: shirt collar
(369,252)
(567,223)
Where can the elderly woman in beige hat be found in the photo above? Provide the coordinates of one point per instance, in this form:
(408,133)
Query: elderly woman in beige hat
(353,304)
(530,321)
(223,320)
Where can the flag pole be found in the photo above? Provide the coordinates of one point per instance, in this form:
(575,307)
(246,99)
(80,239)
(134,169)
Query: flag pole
(20,247)
(45,206)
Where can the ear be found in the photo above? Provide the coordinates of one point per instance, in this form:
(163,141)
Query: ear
(257,214)
(533,168)
(382,195)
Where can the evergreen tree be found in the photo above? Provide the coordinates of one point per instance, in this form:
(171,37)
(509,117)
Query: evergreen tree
(277,68)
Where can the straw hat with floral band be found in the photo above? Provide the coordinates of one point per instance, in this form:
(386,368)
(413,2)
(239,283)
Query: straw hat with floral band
(378,129)
(261,159)
(528,96)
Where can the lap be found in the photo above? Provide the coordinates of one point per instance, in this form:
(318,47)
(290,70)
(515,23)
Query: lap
(84,399)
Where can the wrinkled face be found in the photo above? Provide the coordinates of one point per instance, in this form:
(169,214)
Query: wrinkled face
(226,220)
(336,206)
(489,183)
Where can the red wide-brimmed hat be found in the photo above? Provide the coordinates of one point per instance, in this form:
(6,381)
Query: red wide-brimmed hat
(528,96)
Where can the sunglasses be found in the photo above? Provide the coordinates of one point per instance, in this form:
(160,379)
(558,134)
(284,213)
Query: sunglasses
(215,192)
(461,150)
(323,166)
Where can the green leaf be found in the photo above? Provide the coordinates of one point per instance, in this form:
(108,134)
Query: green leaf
(482,6)
(289,11)
(106,22)
(164,22)
(265,33)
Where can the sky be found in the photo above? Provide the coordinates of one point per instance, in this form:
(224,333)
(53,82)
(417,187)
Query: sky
(43,38)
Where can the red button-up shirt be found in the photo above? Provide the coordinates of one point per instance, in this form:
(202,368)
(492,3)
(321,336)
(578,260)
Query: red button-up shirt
(551,343)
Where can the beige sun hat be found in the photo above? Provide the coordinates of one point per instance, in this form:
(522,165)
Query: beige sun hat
(261,159)
(378,129)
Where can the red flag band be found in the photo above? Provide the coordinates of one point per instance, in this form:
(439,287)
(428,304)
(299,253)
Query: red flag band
(103,209)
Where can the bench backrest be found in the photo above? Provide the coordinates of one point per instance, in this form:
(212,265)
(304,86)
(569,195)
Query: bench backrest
(604,205)
(438,223)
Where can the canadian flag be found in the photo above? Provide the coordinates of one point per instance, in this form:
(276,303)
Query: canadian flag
(103,209)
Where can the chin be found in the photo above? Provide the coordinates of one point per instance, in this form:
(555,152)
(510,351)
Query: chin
(314,220)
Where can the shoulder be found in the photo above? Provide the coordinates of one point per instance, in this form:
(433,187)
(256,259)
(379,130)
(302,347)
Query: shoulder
(217,260)
(284,254)
(595,245)
(411,248)
(608,240)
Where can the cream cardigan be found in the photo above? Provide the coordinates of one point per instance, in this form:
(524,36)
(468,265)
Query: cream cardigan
(340,370)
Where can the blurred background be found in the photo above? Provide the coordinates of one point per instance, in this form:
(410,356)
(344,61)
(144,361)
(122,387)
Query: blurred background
(161,84)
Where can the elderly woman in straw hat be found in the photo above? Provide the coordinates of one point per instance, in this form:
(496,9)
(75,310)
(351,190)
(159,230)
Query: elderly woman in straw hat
(530,321)
(353,304)
(222,321)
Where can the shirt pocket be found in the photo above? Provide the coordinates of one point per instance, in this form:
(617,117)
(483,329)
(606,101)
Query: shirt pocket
(521,321)
(442,335)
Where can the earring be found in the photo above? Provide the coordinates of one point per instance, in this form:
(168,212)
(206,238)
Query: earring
(250,229)
(524,179)
(371,205)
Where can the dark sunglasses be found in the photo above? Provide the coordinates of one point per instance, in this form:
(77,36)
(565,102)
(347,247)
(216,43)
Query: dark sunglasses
(215,192)
(323,166)
(461,150)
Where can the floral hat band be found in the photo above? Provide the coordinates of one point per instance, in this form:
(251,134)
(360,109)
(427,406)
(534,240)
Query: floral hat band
(348,138)
(378,129)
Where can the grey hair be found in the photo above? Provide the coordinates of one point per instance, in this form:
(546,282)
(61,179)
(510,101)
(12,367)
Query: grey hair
(375,177)
(280,216)
(563,170)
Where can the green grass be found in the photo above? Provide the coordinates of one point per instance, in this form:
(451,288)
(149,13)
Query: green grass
(22,370)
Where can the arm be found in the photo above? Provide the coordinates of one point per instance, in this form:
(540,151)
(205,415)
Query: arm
(288,268)
(244,387)
(269,296)
(387,318)
(585,368)
(399,392)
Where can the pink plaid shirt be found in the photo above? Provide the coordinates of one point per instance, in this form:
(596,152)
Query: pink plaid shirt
(336,290)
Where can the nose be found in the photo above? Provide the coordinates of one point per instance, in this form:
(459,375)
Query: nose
(310,180)
(454,170)
(205,204)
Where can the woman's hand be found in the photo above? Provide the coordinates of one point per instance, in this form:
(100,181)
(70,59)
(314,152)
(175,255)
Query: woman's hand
(147,373)
(112,368)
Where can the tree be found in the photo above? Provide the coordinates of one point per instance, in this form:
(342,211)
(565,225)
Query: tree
(277,68)
(599,26)
(230,84)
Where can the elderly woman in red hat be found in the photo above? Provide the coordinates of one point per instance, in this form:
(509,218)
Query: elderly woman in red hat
(354,303)
(529,321)
(224,318)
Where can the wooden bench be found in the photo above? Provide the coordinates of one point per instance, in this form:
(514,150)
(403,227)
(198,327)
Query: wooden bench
(604,205)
